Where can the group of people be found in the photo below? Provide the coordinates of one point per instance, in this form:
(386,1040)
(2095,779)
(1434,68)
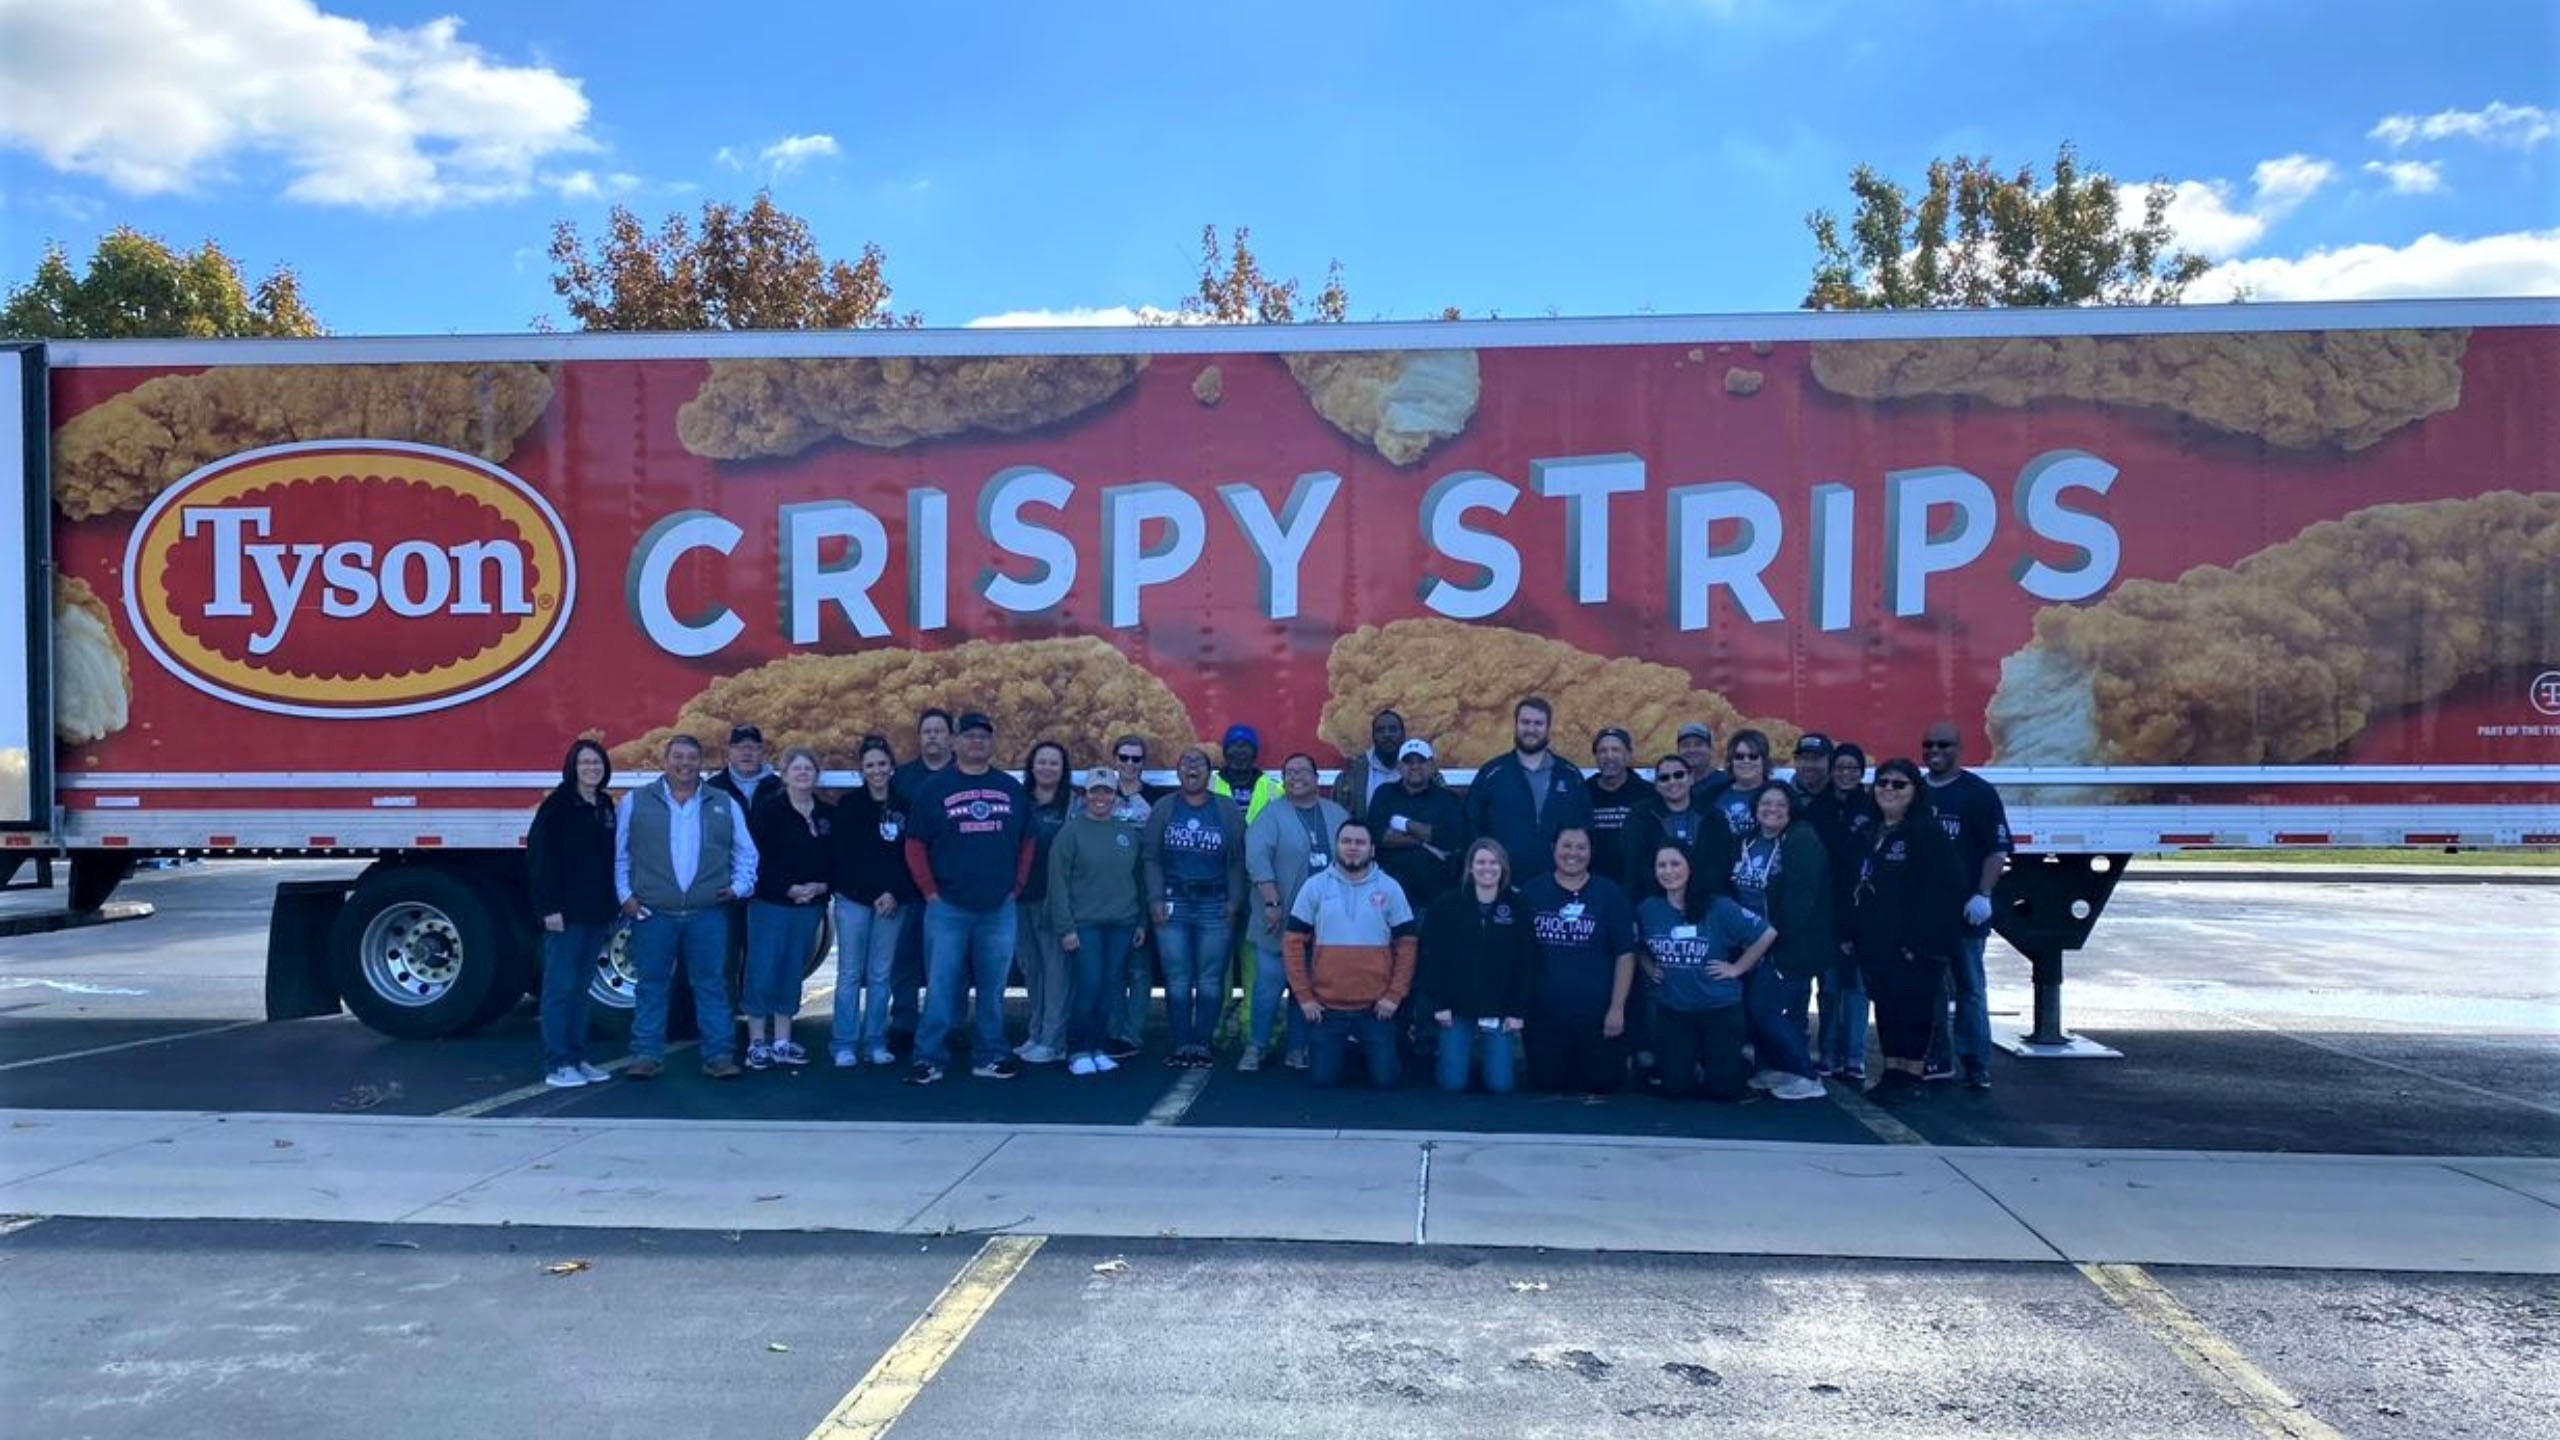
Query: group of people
(1583,931)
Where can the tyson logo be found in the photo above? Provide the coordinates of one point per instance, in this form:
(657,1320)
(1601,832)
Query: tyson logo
(349,579)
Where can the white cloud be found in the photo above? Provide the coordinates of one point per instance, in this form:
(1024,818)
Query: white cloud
(728,157)
(2282,184)
(588,185)
(2525,262)
(159,97)
(1081,316)
(790,153)
(2498,124)
(2209,219)
(2408,177)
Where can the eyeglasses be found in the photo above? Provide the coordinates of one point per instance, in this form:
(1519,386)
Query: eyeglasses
(1893,784)
(1746,755)
(1128,759)
(1937,744)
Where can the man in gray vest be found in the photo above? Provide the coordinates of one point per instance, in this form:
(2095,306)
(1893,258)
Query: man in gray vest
(1283,845)
(680,854)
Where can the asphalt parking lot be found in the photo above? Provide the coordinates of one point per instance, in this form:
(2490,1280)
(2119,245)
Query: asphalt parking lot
(2304,1017)
(2300,1017)
(120,1328)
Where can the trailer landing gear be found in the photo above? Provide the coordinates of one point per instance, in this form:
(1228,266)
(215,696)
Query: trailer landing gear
(2046,905)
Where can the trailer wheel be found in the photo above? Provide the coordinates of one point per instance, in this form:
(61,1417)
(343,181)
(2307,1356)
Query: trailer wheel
(613,986)
(418,951)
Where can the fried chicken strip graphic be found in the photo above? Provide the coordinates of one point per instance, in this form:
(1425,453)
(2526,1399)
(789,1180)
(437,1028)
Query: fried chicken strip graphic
(1077,691)
(119,454)
(92,673)
(2289,654)
(1398,402)
(753,409)
(1456,684)
(2298,390)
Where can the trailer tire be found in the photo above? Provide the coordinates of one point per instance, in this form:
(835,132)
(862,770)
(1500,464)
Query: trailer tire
(419,951)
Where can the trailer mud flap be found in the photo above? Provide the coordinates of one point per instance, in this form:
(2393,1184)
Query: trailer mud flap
(298,984)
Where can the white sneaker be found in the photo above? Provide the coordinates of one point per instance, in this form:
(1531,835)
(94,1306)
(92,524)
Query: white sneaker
(883,1055)
(1082,1065)
(565,1078)
(1797,1087)
(1039,1055)
(595,1075)
(844,1057)
(1104,1064)
(1766,1079)
(1249,1061)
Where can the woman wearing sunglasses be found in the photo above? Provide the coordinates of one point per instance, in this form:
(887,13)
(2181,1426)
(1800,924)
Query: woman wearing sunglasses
(1746,756)
(1907,918)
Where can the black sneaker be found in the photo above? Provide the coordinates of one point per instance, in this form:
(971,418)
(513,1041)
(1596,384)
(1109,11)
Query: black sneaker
(1978,1078)
(1936,1070)
(924,1073)
(1000,1068)
(1119,1049)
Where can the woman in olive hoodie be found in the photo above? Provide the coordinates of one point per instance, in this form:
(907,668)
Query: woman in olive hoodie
(1479,967)
(1097,911)
(570,854)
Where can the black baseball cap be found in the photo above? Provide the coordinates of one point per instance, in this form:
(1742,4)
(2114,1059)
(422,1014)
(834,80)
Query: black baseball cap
(974,720)
(741,734)
(1813,743)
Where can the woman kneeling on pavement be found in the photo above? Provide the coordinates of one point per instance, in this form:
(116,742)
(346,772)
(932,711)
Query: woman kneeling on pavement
(1908,920)
(571,861)
(1480,970)
(794,832)
(1096,908)
(1698,947)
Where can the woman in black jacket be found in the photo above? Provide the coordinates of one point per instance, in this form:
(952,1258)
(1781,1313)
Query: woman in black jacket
(794,830)
(570,855)
(1478,966)
(1908,919)
(875,903)
(1845,817)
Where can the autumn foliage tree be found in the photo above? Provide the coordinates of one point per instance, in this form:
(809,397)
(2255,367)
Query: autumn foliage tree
(752,269)
(1977,237)
(137,287)
(1233,290)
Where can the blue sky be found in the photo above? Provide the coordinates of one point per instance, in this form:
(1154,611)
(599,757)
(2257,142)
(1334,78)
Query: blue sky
(1600,158)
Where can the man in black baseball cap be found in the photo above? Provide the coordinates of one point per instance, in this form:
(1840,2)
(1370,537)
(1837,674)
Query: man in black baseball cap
(969,847)
(1813,765)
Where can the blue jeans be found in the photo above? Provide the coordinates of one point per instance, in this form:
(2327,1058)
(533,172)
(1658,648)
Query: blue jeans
(1095,972)
(964,950)
(1137,984)
(1044,976)
(1774,1005)
(1270,980)
(1967,1036)
(699,941)
(568,971)
(1377,1045)
(1843,1020)
(1195,946)
(866,958)
(1464,1044)
(779,939)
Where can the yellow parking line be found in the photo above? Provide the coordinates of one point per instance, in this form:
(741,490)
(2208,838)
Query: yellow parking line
(2269,1408)
(901,1373)
(1868,1113)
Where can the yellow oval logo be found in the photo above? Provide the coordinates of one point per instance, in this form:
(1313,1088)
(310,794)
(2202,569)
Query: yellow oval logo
(349,578)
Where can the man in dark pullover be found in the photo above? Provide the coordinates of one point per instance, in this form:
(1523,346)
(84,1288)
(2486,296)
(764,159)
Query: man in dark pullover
(1421,827)
(906,975)
(969,848)
(1617,792)
(1676,818)
(1526,796)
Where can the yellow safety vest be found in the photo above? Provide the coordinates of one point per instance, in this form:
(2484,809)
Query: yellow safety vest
(1266,788)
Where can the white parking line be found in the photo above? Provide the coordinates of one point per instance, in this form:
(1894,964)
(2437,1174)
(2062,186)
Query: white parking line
(126,1045)
(1177,1100)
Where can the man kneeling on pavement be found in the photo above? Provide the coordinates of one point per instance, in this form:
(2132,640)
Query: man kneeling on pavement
(1350,949)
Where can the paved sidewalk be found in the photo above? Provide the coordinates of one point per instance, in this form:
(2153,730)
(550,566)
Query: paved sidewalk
(1556,1192)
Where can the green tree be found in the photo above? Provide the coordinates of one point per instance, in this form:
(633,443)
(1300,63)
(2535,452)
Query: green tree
(1233,289)
(752,269)
(1977,237)
(137,287)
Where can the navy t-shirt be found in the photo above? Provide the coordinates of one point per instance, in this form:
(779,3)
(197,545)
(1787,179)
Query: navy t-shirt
(1741,810)
(1195,850)
(1969,810)
(1754,870)
(972,827)
(1579,936)
(1684,951)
